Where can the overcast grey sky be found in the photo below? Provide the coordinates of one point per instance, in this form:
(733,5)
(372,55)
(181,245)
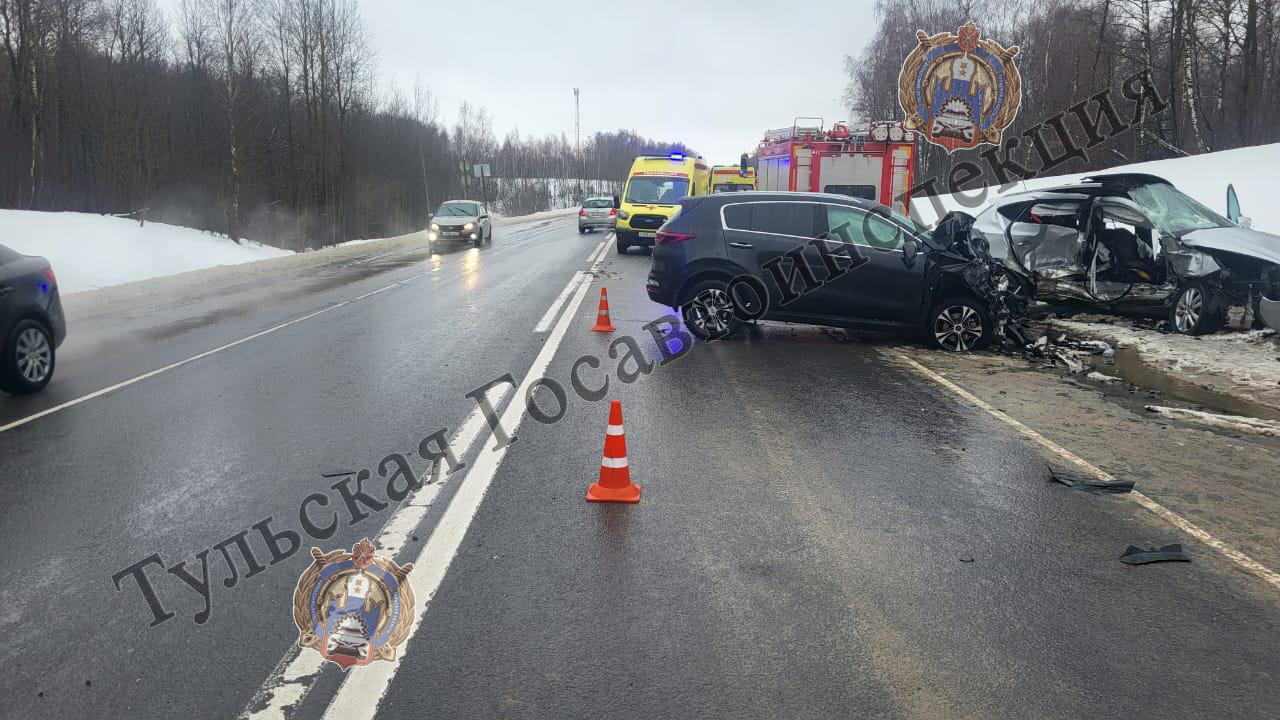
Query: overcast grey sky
(711,73)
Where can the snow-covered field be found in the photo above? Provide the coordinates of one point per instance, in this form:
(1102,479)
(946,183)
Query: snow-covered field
(1204,177)
(95,251)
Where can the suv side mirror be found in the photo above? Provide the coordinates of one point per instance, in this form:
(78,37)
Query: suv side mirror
(910,251)
(1245,222)
(617,202)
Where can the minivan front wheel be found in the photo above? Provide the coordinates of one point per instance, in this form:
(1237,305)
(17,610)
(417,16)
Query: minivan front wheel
(709,312)
(1193,311)
(960,324)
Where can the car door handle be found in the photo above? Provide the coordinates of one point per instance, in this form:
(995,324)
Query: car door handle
(741,245)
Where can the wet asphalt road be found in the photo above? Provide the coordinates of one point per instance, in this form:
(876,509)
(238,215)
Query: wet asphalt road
(823,533)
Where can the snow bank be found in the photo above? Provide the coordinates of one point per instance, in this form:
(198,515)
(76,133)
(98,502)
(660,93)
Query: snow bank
(1239,423)
(544,215)
(1204,177)
(95,251)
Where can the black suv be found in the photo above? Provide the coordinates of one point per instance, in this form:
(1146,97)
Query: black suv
(843,261)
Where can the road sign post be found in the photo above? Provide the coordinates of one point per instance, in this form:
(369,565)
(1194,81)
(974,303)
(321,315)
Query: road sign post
(482,171)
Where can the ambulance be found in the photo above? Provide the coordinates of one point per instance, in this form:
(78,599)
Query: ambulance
(654,186)
(731,178)
(874,162)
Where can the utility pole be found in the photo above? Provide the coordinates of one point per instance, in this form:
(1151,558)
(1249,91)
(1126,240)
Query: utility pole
(426,186)
(577,123)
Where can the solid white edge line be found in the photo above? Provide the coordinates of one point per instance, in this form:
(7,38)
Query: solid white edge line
(361,692)
(599,261)
(596,251)
(294,676)
(550,316)
(1243,561)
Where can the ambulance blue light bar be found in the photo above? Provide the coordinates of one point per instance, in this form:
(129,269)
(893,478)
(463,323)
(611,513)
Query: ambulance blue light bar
(676,156)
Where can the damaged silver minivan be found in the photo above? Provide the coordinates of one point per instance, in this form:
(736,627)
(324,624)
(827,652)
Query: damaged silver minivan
(1133,244)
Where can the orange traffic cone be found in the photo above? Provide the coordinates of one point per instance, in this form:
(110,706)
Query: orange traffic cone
(615,477)
(603,324)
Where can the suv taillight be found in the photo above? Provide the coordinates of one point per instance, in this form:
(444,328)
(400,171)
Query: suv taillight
(671,238)
(582,212)
(53,279)
(613,211)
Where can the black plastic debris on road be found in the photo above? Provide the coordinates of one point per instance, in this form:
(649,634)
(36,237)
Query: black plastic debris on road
(1134,555)
(1088,483)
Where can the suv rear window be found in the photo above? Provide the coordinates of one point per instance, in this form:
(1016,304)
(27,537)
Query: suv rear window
(776,218)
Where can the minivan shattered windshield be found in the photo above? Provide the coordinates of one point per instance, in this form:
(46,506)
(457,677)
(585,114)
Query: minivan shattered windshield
(1174,213)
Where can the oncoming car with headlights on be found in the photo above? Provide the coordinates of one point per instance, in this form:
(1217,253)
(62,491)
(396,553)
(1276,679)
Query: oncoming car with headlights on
(460,221)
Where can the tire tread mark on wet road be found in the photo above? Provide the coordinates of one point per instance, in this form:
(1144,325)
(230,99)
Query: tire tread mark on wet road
(1241,560)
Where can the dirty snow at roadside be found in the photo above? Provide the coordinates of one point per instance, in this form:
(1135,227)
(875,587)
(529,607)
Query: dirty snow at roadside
(1241,363)
(94,251)
(1239,423)
(533,217)
(1204,177)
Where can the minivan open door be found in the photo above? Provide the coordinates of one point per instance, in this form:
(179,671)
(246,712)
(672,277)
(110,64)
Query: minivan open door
(1124,254)
(1233,209)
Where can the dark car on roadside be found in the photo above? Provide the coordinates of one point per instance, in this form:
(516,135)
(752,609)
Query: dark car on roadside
(912,280)
(31,322)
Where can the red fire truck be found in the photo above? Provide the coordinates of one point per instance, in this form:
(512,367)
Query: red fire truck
(874,162)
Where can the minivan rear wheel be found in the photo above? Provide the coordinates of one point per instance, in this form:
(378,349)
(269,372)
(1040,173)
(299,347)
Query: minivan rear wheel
(959,324)
(709,312)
